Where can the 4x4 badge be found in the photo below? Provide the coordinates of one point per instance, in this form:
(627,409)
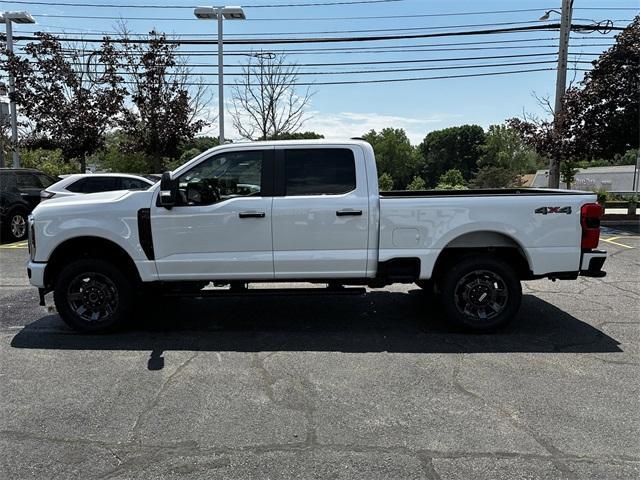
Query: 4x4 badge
(546,210)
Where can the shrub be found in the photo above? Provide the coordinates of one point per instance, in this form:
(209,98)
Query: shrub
(48,161)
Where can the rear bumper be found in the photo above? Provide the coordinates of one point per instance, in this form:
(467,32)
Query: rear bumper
(592,262)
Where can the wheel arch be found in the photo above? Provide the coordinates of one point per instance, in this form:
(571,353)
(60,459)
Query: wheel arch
(88,247)
(499,244)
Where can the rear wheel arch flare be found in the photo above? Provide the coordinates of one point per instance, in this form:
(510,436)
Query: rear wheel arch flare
(481,241)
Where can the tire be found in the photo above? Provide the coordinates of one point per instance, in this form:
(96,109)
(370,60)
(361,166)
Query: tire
(93,296)
(15,228)
(480,293)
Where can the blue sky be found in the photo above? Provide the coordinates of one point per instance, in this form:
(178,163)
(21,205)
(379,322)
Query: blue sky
(350,110)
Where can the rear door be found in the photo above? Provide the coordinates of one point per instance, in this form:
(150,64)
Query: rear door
(320,213)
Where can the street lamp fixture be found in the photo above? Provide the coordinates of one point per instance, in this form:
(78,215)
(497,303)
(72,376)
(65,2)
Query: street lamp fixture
(16,17)
(9,18)
(220,14)
(547,14)
(211,13)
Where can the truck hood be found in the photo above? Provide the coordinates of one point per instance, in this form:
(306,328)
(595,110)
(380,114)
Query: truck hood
(90,201)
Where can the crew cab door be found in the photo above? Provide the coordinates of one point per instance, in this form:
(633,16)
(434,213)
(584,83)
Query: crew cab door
(320,213)
(221,227)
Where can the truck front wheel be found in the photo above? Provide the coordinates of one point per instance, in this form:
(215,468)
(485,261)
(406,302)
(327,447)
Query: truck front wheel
(481,293)
(92,295)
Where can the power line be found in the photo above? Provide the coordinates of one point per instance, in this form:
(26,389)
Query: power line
(303,19)
(391,80)
(281,5)
(370,38)
(351,64)
(380,48)
(359,72)
(390,62)
(325,32)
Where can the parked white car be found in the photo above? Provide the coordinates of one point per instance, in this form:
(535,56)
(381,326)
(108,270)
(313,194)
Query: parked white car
(306,211)
(83,183)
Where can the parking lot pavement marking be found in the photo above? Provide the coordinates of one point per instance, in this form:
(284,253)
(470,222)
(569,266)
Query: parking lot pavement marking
(611,240)
(15,245)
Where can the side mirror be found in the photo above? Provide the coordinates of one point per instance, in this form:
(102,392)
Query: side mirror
(168,191)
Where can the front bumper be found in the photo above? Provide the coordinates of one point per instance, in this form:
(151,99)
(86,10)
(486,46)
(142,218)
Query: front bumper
(35,271)
(592,262)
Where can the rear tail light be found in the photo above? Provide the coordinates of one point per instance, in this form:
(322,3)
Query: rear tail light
(46,194)
(590,215)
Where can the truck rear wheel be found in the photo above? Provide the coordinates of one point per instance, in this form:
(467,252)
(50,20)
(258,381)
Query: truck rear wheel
(92,296)
(481,293)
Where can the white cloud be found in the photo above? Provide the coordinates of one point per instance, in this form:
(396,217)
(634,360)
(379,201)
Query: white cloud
(350,124)
(355,124)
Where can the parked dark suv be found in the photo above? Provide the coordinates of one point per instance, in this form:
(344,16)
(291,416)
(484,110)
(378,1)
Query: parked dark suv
(19,194)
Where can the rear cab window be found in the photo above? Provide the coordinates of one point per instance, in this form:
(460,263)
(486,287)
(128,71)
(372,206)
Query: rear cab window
(319,171)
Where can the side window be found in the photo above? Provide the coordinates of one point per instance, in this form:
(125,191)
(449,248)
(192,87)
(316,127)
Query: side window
(319,171)
(7,181)
(97,184)
(76,187)
(46,180)
(221,177)
(127,183)
(27,180)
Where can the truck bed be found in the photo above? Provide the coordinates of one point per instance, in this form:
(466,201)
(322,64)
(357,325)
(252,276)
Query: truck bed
(502,192)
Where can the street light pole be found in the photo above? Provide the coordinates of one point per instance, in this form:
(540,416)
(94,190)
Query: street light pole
(8,18)
(13,114)
(561,87)
(220,78)
(220,14)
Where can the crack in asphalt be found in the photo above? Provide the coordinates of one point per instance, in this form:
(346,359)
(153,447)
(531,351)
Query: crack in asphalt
(144,455)
(304,403)
(156,398)
(515,420)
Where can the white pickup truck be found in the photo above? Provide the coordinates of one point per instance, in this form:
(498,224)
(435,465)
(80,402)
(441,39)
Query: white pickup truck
(305,211)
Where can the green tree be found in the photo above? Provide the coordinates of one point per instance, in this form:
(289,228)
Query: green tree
(48,161)
(491,176)
(454,147)
(451,180)
(162,114)
(66,106)
(601,114)
(568,172)
(201,143)
(297,136)
(385,182)
(504,148)
(603,111)
(417,184)
(395,155)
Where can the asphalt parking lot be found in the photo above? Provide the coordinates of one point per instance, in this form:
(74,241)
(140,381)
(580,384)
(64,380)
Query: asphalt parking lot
(373,386)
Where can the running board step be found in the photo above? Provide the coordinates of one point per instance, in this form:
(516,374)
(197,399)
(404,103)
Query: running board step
(270,291)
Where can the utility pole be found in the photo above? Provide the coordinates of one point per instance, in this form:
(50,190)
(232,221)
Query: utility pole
(561,88)
(8,18)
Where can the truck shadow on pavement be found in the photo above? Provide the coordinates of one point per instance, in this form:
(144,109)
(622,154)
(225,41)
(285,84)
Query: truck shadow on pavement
(381,321)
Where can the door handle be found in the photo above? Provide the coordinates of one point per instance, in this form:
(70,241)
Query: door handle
(251,215)
(347,213)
